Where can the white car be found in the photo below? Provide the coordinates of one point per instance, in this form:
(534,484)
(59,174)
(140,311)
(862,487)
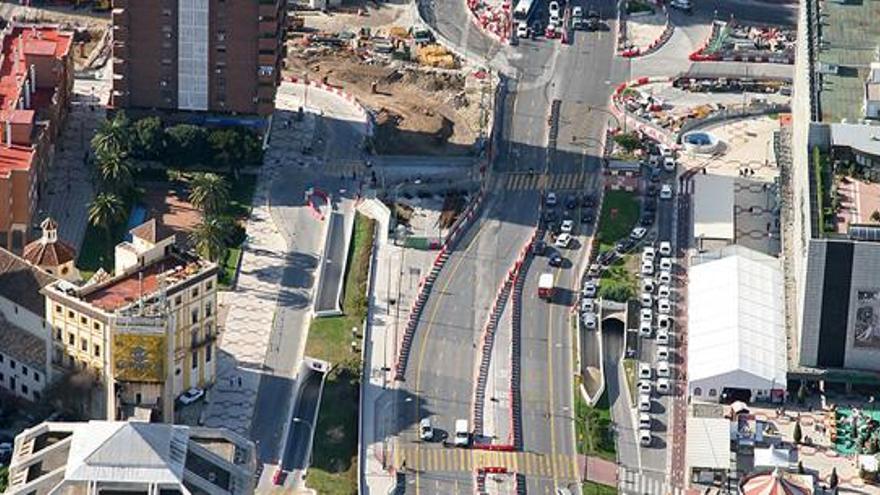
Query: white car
(567,226)
(664,386)
(554,9)
(191,396)
(426,430)
(563,240)
(551,199)
(647,300)
(645,387)
(647,285)
(589,289)
(522,30)
(588,305)
(662,337)
(645,329)
(663,292)
(647,268)
(665,264)
(645,403)
(462,433)
(681,4)
(662,353)
(645,372)
(669,164)
(665,248)
(648,254)
(664,150)
(665,191)
(664,323)
(638,232)
(664,306)
(663,370)
(665,278)
(645,438)
(645,421)
(646,315)
(590,321)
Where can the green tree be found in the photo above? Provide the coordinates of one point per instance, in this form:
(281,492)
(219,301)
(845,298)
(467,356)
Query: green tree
(797,434)
(113,137)
(4,478)
(209,193)
(187,145)
(149,137)
(116,171)
(875,217)
(629,141)
(234,148)
(209,237)
(105,211)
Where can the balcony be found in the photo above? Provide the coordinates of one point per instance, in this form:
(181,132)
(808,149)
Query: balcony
(267,60)
(267,44)
(268,29)
(268,8)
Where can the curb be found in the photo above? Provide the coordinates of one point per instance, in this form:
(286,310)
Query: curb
(338,91)
(655,45)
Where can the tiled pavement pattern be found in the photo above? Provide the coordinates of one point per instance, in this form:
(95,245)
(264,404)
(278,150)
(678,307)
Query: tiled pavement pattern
(435,458)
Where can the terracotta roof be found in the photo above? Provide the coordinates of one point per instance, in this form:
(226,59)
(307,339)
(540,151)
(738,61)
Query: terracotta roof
(151,231)
(22,345)
(21,282)
(42,253)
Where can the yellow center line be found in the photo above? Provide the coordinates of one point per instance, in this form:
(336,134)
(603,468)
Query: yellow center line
(429,327)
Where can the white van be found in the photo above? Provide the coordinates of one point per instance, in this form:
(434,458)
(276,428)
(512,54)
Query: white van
(462,433)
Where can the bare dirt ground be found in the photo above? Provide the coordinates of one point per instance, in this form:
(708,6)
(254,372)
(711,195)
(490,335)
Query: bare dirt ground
(417,109)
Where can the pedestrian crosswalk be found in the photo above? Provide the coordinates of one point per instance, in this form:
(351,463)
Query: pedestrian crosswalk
(527,181)
(634,482)
(437,458)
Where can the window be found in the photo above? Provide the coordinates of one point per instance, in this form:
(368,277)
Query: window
(96,325)
(70,314)
(195,316)
(195,292)
(82,319)
(57,334)
(2,377)
(208,351)
(698,391)
(208,309)
(36,395)
(36,376)
(195,359)
(97,350)
(57,308)
(24,370)
(1,358)
(712,392)
(177,301)
(24,389)
(12,364)
(83,345)
(70,339)
(209,285)
(177,372)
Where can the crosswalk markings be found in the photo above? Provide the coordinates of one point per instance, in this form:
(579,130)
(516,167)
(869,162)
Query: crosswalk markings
(525,181)
(435,458)
(636,483)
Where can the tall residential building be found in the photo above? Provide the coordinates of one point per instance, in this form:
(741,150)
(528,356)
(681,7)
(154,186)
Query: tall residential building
(132,458)
(36,81)
(147,332)
(219,56)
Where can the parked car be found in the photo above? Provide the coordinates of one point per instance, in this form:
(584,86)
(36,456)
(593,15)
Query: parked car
(462,433)
(664,386)
(665,248)
(555,259)
(645,372)
(563,240)
(426,430)
(663,370)
(646,315)
(648,285)
(662,353)
(645,329)
(645,438)
(522,30)
(664,306)
(663,337)
(645,403)
(646,299)
(665,277)
(550,200)
(647,268)
(191,396)
(663,292)
(590,321)
(589,289)
(588,216)
(645,421)
(638,232)
(571,202)
(589,200)
(665,264)
(588,305)
(554,9)
(665,191)
(567,226)
(664,323)
(645,387)
(683,5)
(593,270)
(648,253)
(669,164)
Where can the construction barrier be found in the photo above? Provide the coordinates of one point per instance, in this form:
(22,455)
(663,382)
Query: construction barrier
(632,52)
(338,91)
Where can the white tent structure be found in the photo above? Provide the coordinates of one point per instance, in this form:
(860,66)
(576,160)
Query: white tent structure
(736,325)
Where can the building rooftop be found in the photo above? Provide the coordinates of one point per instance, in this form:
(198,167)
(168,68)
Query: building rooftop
(850,35)
(863,138)
(21,282)
(22,345)
(48,250)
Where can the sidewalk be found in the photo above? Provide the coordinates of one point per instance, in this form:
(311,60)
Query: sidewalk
(497,409)
(397,276)
(69,185)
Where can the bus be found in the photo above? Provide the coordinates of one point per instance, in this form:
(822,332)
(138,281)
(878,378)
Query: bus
(523,10)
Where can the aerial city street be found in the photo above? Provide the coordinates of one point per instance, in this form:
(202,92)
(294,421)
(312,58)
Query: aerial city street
(558,247)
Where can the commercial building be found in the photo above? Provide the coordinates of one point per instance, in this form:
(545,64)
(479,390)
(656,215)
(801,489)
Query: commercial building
(133,458)
(219,56)
(147,331)
(736,327)
(24,343)
(36,81)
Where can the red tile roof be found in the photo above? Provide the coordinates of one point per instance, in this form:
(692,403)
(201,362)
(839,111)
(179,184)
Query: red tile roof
(128,289)
(15,158)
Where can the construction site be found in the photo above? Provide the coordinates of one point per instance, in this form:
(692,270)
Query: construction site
(423,99)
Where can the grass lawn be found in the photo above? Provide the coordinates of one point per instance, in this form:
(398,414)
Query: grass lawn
(590,488)
(229,266)
(619,282)
(593,427)
(629,370)
(334,468)
(620,212)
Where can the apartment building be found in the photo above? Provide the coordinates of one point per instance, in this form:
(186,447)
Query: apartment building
(36,81)
(24,343)
(147,331)
(132,458)
(218,56)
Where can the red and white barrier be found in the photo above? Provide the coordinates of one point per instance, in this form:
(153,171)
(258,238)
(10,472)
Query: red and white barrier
(339,91)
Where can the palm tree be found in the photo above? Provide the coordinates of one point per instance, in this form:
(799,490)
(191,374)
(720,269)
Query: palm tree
(116,171)
(113,137)
(209,237)
(209,193)
(106,210)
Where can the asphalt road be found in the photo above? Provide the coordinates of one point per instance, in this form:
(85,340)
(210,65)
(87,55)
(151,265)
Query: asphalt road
(328,296)
(300,433)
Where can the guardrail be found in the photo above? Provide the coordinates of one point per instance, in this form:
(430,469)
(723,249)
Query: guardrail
(426,284)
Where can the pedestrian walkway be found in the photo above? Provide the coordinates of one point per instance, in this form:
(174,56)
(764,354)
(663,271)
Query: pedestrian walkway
(522,181)
(633,482)
(435,458)
(69,186)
